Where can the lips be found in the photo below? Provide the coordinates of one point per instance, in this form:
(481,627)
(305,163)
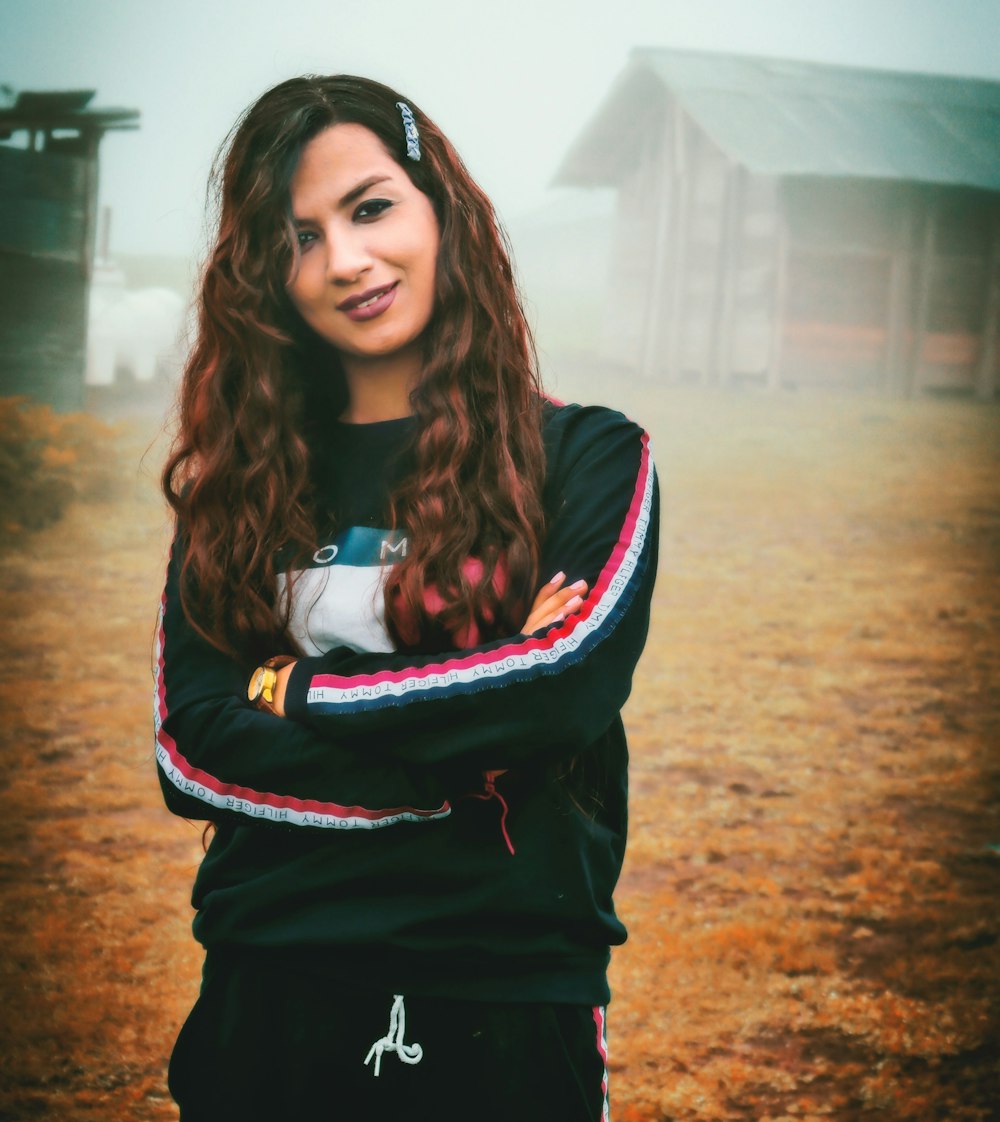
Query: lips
(370,303)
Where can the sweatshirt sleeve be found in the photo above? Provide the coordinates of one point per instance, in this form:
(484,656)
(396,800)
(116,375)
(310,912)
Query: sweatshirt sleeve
(218,757)
(513,700)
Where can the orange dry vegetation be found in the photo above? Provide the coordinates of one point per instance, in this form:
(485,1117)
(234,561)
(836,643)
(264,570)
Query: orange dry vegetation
(814,869)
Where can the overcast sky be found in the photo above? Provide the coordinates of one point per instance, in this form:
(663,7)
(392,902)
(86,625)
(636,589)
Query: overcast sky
(511,82)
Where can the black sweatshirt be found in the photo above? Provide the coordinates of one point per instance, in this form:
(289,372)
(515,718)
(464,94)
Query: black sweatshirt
(367,832)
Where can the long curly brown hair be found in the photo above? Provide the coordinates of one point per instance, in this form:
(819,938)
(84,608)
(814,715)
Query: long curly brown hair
(239,475)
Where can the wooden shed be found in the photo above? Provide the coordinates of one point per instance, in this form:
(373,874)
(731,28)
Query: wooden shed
(793,223)
(48,208)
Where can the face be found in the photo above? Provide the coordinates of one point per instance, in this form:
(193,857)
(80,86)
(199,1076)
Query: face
(368,246)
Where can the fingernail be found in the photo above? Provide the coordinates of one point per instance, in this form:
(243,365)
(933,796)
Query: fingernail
(572,605)
(579,586)
(558,577)
(559,618)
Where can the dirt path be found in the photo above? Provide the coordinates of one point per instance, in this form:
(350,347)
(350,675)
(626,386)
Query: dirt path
(814,870)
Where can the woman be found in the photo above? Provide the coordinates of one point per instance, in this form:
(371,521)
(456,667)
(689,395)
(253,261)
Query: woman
(419,799)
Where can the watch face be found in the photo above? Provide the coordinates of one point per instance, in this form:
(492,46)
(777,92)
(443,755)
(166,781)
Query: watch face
(256,685)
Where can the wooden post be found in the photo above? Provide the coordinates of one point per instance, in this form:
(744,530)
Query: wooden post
(91,143)
(925,282)
(897,354)
(729,271)
(986,368)
(719,332)
(662,185)
(104,236)
(678,243)
(777,341)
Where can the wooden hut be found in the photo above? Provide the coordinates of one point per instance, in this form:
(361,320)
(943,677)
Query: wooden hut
(792,223)
(48,208)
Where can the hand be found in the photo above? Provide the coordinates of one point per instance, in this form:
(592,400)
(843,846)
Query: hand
(554,603)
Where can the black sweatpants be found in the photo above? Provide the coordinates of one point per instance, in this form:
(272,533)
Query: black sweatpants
(269,1041)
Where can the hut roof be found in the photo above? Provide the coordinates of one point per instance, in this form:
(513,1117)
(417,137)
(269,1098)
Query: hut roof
(785,118)
(62,109)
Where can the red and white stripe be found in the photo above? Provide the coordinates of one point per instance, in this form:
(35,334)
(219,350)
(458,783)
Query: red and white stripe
(558,647)
(600,1022)
(262,805)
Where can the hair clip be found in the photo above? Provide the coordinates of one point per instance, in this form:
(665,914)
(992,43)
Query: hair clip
(409,130)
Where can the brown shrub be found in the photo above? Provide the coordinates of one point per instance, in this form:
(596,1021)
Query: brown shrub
(48,460)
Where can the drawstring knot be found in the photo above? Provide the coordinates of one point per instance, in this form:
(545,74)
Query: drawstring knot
(490,791)
(393,1039)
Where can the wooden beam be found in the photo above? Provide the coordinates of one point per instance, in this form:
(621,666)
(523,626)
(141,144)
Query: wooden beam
(729,271)
(720,331)
(897,353)
(660,182)
(986,369)
(925,281)
(777,340)
(678,242)
(90,189)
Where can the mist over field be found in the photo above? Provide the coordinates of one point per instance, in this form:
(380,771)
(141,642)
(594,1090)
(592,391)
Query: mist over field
(812,873)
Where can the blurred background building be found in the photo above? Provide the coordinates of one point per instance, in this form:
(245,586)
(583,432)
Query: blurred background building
(49,145)
(793,223)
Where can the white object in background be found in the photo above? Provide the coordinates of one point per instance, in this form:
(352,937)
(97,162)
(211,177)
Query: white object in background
(136,330)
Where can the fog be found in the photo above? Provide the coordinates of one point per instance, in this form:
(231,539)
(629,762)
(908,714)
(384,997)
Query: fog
(813,850)
(512,84)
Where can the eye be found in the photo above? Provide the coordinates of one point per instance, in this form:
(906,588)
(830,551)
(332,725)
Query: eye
(304,238)
(371,208)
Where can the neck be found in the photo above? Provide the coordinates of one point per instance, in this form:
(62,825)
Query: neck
(378,388)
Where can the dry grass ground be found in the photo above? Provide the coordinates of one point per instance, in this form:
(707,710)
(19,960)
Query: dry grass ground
(814,871)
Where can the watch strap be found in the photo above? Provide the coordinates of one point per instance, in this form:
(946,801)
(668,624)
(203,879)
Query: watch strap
(266,674)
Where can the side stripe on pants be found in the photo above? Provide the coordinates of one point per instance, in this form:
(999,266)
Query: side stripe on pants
(600,1021)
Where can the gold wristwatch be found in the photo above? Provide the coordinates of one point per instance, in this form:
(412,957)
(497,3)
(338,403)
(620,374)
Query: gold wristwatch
(260,689)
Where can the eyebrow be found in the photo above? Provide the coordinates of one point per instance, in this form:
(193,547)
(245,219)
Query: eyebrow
(351,196)
(362,187)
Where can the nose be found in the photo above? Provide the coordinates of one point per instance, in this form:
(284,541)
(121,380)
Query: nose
(347,256)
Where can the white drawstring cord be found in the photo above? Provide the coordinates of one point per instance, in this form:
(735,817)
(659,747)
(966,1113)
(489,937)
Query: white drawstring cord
(393,1039)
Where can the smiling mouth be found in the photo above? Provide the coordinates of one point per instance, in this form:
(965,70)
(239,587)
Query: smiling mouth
(366,299)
